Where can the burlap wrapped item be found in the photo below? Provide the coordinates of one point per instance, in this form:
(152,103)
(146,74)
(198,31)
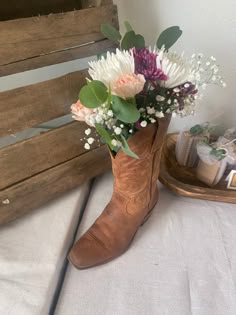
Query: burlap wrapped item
(214,160)
(186,151)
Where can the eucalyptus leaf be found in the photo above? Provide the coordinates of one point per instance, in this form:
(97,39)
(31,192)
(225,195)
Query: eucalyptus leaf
(131,40)
(106,137)
(168,37)
(128,26)
(196,130)
(110,32)
(93,94)
(125,147)
(219,154)
(124,110)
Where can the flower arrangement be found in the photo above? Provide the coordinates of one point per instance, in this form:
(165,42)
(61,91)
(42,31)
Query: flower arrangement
(131,88)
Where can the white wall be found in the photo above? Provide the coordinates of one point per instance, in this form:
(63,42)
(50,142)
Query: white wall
(209,26)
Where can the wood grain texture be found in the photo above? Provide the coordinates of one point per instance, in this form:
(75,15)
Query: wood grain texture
(32,156)
(36,191)
(182,180)
(57,57)
(31,37)
(32,105)
(15,9)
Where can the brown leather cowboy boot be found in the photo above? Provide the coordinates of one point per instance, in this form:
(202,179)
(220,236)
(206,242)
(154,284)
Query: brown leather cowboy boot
(135,195)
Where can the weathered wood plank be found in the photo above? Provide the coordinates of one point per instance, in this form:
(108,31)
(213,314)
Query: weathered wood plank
(31,37)
(32,105)
(32,156)
(57,57)
(13,9)
(36,191)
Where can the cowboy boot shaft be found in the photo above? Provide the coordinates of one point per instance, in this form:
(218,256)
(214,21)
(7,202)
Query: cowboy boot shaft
(135,195)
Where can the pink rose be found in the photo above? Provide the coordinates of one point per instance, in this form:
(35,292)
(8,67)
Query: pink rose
(81,112)
(128,85)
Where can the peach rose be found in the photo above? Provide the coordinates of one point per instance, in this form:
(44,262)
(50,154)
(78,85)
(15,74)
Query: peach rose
(128,85)
(80,111)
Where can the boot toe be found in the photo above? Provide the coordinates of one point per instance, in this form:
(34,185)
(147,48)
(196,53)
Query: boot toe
(88,252)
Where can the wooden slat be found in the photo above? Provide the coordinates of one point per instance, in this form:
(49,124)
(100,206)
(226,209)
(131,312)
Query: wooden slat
(34,192)
(31,37)
(31,105)
(57,57)
(13,9)
(32,156)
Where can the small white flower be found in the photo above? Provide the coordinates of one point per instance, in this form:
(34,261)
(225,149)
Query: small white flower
(208,63)
(99,119)
(151,110)
(130,131)
(176,90)
(160,98)
(88,131)
(117,130)
(114,142)
(143,123)
(110,113)
(90,140)
(153,121)
(141,110)
(87,146)
(159,114)
(169,102)
(187,85)
(213,58)
(121,126)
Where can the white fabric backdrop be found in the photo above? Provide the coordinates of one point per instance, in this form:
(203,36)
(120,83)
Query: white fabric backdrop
(182,261)
(32,253)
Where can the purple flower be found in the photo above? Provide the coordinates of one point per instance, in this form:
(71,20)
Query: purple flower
(146,64)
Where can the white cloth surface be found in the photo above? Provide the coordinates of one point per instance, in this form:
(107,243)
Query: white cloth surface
(32,253)
(182,261)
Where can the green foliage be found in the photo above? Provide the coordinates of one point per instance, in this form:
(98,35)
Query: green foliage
(219,154)
(110,32)
(124,110)
(131,40)
(106,137)
(128,26)
(93,94)
(168,37)
(196,130)
(125,147)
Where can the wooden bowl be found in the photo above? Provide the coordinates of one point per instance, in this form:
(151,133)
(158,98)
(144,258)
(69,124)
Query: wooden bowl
(182,180)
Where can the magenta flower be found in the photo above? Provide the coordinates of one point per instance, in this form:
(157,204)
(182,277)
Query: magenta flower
(146,64)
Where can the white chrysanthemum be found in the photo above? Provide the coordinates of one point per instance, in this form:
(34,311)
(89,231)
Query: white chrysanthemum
(115,65)
(117,73)
(177,69)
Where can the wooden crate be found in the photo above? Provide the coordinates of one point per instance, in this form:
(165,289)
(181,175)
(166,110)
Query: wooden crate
(38,169)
